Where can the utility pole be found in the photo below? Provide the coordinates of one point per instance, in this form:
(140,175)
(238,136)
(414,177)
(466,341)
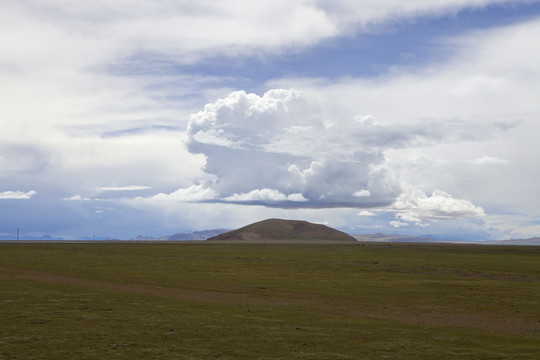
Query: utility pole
(17,235)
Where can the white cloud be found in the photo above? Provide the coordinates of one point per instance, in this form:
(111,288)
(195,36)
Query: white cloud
(281,141)
(89,165)
(369,15)
(505,58)
(366,213)
(265,195)
(82,99)
(69,58)
(487,160)
(362,193)
(414,205)
(485,92)
(194,193)
(398,224)
(286,142)
(101,32)
(77,198)
(17,195)
(122,188)
(68,35)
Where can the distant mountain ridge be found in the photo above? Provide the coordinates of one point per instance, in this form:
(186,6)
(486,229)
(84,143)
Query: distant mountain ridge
(393,238)
(529,241)
(196,235)
(208,234)
(285,231)
(379,237)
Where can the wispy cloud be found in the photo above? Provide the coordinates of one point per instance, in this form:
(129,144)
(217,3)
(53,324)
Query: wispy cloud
(77,198)
(366,213)
(398,224)
(265,196)
(486,160)
(194,193)
(17,195)
(123,188)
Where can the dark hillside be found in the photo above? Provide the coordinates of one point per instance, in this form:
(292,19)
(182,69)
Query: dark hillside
(285,230)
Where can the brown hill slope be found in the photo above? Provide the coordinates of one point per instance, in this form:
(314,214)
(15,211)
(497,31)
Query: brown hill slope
(278,230)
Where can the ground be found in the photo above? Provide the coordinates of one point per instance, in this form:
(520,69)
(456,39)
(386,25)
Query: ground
(266,301)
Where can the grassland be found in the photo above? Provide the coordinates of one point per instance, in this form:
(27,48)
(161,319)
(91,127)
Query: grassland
(264,301)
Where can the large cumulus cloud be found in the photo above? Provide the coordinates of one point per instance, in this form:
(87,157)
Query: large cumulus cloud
(278,150)
(282,150)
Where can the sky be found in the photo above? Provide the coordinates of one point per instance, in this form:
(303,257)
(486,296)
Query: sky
(152,117)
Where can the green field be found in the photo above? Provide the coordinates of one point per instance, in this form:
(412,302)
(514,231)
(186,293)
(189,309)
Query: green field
(263,301)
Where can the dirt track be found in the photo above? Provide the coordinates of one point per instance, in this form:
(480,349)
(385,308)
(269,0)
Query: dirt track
(148,290)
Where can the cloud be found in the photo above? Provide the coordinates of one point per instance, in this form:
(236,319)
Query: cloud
(17,195)
(77,198)
(83,91)
(367,14)
(265,196)
(413,205)
(122,188)
(483,92)
(487,160)
(260,148)
(102,33)
(366,213)
(398,224)
(194,193)
(362,193)
(81,35)
(278,149)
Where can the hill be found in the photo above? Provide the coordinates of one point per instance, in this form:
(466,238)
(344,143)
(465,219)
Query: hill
(278,230)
